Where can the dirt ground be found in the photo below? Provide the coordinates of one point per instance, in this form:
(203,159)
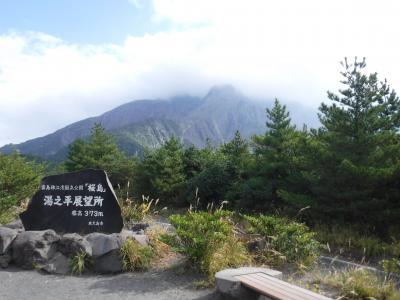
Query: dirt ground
(17,284)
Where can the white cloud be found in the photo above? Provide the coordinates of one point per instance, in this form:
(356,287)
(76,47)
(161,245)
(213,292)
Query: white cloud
(286,49)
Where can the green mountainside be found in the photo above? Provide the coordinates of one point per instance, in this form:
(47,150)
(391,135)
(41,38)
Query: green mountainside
(149,123)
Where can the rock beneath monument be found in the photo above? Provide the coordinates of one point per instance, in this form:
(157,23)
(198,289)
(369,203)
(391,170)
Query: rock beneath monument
(72,244)
(80,202)
(5,260)
(110,262)
(103,243)
(33,248)
(7,236)
(141,238)
(16,224)
(58,264)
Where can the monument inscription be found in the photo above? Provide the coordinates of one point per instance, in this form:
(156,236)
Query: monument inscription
(81,202)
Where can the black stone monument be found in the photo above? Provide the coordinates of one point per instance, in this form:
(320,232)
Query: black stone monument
(81,202)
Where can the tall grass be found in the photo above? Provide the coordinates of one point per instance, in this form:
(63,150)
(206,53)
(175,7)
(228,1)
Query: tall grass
(361,284)
(348,241)
(135,257)
(137,211)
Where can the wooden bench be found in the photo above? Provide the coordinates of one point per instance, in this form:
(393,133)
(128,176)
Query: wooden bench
(277,289)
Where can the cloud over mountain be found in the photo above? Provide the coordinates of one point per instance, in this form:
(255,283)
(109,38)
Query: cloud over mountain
(283,49)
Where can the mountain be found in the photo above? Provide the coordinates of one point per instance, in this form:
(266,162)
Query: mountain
(149,123)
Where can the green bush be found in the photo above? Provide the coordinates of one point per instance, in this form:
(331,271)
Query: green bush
(212,183)
(391,265)
(19,178)
(290,239)
(209,241)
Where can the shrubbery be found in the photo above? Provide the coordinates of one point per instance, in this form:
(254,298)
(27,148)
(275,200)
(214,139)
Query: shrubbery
(209,241)
(19,179)
(292,241)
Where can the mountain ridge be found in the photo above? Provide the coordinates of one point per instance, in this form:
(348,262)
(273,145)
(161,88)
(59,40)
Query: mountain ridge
(146,123)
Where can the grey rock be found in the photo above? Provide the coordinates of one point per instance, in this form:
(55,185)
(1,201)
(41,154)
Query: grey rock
(230,287)
(7,236)
(108,263)
(103,243)
(141,238)
(165,226)
(34,248)
(5,260)
(257,244)
(16,224)
(73,243)
(139,226)
(58,264)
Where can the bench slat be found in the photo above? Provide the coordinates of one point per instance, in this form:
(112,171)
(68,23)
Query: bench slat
(276,288)
(263,288)
(294,287)
(300,293)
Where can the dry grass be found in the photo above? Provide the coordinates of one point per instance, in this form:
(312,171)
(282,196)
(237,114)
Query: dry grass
(136,211)
(135,257)
(12,213)
(361,284)
(349,241)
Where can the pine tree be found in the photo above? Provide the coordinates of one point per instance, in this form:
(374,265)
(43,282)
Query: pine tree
(100,152)
(237,153)
(358,150)
(161,174)
(272,164)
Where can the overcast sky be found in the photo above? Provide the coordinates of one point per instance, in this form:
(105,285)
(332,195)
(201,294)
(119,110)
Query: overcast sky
(61,61)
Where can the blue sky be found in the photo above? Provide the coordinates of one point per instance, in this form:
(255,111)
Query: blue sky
(62,61)
(80,21)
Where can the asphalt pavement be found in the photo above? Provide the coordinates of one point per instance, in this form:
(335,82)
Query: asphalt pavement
(17,284)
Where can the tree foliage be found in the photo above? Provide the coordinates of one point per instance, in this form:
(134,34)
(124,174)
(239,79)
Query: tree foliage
(161,173)
(348,170)
(273,161)
(19,178)
(358,150)
(101,152)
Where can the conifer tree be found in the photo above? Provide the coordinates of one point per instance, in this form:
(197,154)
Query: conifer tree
(100,152)
(161,174)
(359,154)
(237,154)
(272,164)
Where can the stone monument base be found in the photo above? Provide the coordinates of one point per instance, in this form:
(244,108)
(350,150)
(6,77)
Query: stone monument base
(51,252)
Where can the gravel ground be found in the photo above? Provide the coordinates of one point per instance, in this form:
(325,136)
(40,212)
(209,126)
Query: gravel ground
(16,284)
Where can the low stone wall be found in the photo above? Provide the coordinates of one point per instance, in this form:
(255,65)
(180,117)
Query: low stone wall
(46,250)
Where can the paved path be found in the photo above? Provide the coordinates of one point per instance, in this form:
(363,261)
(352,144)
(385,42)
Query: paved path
(16,284)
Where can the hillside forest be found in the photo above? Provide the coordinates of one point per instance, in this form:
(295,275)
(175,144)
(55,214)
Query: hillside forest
(344,174)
